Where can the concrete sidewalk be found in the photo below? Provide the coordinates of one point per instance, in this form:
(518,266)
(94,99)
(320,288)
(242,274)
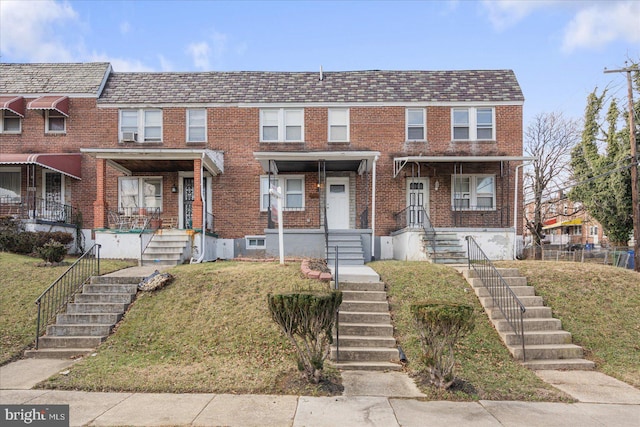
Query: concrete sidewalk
(379,399)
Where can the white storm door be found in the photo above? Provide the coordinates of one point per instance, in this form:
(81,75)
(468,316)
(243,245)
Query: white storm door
(338,203)
(53,195)
(417,200)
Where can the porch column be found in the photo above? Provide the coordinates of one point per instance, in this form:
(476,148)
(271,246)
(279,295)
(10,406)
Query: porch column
(100,205)
(196,215)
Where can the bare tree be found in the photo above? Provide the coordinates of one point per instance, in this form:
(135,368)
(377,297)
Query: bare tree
(549,139)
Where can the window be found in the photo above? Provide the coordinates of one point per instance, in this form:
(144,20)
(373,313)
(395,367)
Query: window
(281,125)
(593,230)
(255,242)
(292,187)
(473,192)
(141,125)
(10,185)
(55,122)
(416,124)
(473,124)
(11,122)
(196,125)
(138,192)
(338,125)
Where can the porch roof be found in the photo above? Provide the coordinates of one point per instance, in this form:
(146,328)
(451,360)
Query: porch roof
(130,160)
(307,161)
(66,163)
(400,162)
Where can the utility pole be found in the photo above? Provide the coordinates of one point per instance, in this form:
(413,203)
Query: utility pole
(635,185)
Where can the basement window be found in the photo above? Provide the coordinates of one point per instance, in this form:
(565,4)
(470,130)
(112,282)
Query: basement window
(255,242)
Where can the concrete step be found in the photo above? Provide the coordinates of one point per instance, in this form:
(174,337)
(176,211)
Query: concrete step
(530,301)
(476,282)
(75,308)
(504,272)
(530,313)
(560,364)
(548,351)
(364,306)
(366,341)
(103,298)
(366,329)
(448,260)
(115,280)
(365,317)
(538,337)
(58,353)
(363,287)
(69,342)
(78,330)
(106,289)
(365,354)
(530,325)
(164,250)
(519,291)
(88,318)
(363,295)
(367,366)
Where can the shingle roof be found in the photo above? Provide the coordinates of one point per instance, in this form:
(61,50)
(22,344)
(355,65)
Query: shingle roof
(62,78)
(306,87)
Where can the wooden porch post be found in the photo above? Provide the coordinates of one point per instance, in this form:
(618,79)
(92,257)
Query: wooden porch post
(100,205)
(196,222)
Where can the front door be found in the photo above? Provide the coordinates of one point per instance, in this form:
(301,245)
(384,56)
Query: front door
(338,203)
(187,201)
(53,195)
(417,201)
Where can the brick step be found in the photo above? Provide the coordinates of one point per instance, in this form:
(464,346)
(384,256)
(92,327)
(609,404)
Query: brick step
(364,306)
(78,330)
(88,318)
(107,289)
(351,296)
(69,342)
(560,364)
(58,353)
(530,325)
(353,286)
(367,366)
(365,317)
(538,337)
(83,308)
(548,351)
(103,298)
(530,313)
(366,329)
(366,341)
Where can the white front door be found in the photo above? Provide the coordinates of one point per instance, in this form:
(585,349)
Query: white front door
(417,200)
(338,203)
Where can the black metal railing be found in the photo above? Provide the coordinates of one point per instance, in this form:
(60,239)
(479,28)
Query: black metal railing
(134,219)
(56,297)
(336,286)
(481,216)
(501,293)
(416,216)
(40,209)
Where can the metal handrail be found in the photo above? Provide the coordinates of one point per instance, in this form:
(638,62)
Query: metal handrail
(56,297)
(40,209)
(422,221)
(501,293)
(337,287)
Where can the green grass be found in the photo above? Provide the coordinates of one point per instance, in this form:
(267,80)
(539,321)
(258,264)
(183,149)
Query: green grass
(599,305)
(22,282)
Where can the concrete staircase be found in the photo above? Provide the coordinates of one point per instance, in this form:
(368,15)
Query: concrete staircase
(89,319)
(547,346)
(349,248)
(448,249)
(366,339)
(167,247)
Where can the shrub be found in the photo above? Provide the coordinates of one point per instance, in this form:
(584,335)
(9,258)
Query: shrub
(307,319)
(52,251)
(43,237)
(440,325)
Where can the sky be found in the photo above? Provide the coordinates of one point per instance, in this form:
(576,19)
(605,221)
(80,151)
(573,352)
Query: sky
(557,49)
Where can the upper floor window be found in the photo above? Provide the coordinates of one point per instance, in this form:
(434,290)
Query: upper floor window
(416,124)
(141,125)
(55,122)
(338,125)
(473,192)
(196,125)
(292,187)
(473,123)
(281,125)
(11,122)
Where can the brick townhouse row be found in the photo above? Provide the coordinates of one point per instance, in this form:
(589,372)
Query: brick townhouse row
(372,154)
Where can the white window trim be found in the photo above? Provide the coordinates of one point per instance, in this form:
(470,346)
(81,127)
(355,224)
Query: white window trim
(188,126)
(47,114)
(12,169)
(141,139)
(14,116)
(282,182)
(282,125)
(473,197)
(473,123)
(424,123)
(248,246)
(141,179)
(347,124)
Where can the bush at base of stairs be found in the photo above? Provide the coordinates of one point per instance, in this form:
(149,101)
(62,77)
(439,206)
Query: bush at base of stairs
(307,318)
(52,251)
(440,325)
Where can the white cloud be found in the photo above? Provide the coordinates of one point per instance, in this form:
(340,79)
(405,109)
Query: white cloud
(28,31)
(125,27)
(121,64)
(601,24)
(165,64)
(507,13)
(200,54)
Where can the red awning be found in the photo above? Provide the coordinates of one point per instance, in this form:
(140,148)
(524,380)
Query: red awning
(15,104)
(49,102)
(66,163)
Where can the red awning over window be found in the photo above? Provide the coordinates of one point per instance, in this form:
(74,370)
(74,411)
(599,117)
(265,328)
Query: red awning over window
(50,102)
(15,104)
(66,163)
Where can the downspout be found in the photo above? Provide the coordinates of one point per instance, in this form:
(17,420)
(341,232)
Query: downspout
(373,208)
(204,214)
(515,212)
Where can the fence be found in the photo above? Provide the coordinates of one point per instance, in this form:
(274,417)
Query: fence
(619,257)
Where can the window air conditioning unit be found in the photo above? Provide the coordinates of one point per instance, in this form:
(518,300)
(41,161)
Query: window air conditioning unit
(129,136)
